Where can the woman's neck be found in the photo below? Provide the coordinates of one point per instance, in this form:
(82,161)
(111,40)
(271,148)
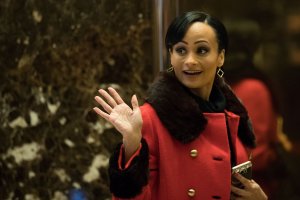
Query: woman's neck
(203,92)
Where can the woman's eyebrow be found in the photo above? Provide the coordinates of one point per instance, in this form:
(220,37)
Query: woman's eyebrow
(200,41)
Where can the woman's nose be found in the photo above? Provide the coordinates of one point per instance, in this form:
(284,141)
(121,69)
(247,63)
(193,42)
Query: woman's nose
(190,59)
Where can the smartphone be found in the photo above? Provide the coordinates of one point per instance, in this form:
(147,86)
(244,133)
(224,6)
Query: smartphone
(245,169)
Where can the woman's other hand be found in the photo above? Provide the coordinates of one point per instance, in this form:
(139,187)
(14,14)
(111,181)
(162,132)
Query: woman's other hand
(251,190)
(128,121)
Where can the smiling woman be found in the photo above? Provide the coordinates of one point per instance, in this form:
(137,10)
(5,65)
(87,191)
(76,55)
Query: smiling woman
(191,130)
(196,58)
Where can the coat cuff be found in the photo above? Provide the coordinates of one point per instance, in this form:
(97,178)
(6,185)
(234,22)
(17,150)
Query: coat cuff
(129,181)
(121,157)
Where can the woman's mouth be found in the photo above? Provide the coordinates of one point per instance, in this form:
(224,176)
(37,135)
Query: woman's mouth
(194,72)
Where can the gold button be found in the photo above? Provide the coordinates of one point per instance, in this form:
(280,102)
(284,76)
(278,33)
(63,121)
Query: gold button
(191,192)
(194,153)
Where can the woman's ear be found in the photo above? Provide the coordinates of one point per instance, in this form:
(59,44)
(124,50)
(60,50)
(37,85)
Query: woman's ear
(221,58)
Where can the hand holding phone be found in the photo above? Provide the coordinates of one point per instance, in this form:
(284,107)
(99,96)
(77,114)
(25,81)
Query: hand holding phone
(245,169)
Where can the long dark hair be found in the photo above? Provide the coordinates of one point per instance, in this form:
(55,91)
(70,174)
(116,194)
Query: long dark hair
(180,24)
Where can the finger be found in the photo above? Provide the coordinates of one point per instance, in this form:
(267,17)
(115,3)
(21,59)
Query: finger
(134,103)
(115,95)
(242,179)
(252,181)
(101,113)
(238,191)
(108,98)
(104,105)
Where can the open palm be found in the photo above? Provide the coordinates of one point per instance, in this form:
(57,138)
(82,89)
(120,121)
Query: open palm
(128,121)
(125,119)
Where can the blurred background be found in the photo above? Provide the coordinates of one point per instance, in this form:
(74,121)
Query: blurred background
(55,55)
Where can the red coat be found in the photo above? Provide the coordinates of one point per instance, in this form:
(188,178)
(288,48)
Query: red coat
(200,169)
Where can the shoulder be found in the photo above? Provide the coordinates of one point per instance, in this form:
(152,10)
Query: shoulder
(147,109)
(253,89)
(251,84)
(148,113)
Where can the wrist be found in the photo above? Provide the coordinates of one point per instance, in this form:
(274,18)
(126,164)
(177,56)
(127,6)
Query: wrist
(131,146)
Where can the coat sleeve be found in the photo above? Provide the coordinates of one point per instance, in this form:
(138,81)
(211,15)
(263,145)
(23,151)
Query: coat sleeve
(129,182)
(137,179)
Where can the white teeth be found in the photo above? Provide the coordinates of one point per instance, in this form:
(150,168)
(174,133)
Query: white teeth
(192,72)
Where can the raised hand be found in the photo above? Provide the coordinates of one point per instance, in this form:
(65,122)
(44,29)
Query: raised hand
(126,120)
(251,190)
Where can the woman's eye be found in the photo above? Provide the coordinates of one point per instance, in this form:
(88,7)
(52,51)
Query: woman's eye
(202,50)
(181,51)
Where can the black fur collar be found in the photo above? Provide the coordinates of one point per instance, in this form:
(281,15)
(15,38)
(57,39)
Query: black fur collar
(179,110)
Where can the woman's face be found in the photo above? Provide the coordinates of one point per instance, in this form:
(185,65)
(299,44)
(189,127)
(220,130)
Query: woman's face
(195,59)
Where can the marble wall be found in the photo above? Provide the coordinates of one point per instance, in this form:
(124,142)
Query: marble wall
(54,55)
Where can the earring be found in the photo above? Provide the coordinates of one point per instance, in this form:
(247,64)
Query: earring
(170,69)
(220,72)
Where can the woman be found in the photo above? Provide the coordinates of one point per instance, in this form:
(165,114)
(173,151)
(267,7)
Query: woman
(183,142)
(255,90)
